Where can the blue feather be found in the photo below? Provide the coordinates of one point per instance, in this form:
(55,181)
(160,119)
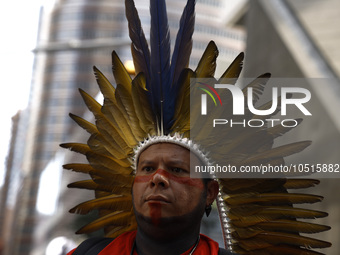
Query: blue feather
(183,45)
(160,56)
(180,57)
(139,46)
(161,78)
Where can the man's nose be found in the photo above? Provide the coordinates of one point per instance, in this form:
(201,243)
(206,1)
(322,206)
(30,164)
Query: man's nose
(160,178)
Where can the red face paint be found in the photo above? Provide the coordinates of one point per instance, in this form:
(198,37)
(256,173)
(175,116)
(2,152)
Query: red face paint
(147,178)
(155,212)
(198,183)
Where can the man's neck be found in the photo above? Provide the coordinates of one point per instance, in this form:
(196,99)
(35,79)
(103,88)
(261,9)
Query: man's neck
(173,244)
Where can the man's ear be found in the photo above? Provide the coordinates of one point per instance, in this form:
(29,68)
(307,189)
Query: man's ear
(212,191)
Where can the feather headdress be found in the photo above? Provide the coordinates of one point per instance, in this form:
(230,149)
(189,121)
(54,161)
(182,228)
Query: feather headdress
(257,215)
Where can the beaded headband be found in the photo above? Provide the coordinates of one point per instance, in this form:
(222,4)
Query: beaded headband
(173,139)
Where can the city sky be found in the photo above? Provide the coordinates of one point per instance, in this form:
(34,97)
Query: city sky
(18,26)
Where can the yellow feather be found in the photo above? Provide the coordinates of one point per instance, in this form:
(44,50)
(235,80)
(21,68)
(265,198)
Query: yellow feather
(300,183)
(76,147)
(107,127)
(86,184)
(247,215)
(91,185)
(115,218)
(284,250)
(182,111)
(279,130)
(111,202)
(142,105)
(274,238)
(125,104)
(258,87)
(272,198)
(91,103)
(233,71)
(119,71)
(290,226)
(89,127)
(207,64)
(109,147)
(281,151)
(244,185)
(81,168)
(117,120)
(105,86)
(115,165)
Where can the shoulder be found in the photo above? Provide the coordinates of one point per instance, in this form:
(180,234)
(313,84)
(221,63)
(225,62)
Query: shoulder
(91,246)
(213,246)
(102,245)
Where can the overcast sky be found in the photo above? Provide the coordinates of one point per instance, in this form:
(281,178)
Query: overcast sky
(18,26)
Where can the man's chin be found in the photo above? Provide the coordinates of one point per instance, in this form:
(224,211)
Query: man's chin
(156,220)
(159,228)
(167,225)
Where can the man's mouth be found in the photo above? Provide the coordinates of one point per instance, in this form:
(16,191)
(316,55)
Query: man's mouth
(157,198)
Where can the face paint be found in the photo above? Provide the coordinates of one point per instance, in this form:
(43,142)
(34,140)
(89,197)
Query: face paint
(155,212)
(198,183)
(155,207)
(157,179)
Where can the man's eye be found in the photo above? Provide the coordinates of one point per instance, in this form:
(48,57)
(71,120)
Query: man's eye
(177,170)
(147,169)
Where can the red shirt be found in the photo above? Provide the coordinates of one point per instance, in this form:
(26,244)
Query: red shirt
(123,245)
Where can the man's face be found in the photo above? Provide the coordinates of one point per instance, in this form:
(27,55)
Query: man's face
(163,187)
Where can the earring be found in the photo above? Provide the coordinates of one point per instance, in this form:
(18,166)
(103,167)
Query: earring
(208,210)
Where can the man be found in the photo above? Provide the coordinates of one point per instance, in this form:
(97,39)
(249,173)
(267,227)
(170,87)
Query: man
(168,205)
(162,214)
